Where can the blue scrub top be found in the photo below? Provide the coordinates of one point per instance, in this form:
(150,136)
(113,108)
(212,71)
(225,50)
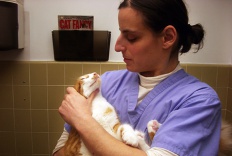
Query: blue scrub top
(189,111)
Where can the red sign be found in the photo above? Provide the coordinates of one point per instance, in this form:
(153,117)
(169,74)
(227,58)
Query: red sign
(75,22)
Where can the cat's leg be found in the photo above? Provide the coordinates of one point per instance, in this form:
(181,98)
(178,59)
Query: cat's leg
(152,128)
(128,135)
(141,140)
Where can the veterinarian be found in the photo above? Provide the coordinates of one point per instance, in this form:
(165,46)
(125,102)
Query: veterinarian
(154,86)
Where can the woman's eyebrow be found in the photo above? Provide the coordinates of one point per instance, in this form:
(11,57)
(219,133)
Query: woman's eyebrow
(128,31)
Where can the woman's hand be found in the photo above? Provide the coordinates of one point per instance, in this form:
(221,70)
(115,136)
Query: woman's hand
(75,108)
(76,111)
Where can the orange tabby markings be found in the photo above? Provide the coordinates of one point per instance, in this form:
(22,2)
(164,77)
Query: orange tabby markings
(116,126)
(85,85)
(151,135)
(105,114)
(108,111)
(78,87)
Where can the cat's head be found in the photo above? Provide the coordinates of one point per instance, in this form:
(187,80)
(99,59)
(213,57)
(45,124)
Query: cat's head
(88,83)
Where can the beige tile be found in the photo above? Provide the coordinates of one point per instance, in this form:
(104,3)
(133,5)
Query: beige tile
(184,66)
(6,70)
(23,143)
(21,74)
(21,97)
(55,74)
(194,70)
(209,75)
(223,93)
(229,116)
(230,78)
(39,97)
(40,143)
(229,100)
(91,67)
(56,123)
(108,67)
(121,66)
(72,71)
(223,114)
(22,121)
(38,74)
(223,76)
(55,96)
(53,138)
(7,143)
(6,96)
(39,119)
(6,120)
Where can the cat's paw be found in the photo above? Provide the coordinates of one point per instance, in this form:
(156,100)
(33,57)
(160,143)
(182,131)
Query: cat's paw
(129,136)
(153,126)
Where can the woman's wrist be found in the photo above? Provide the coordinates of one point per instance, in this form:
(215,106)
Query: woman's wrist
(83,124)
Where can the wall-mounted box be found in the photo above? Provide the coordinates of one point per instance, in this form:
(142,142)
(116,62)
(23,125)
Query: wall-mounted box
(12,24)
(81,45)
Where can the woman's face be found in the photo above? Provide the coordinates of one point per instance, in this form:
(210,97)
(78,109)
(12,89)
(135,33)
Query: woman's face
(140,47)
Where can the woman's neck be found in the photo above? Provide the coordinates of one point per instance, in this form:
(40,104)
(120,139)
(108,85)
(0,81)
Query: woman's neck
(162,69)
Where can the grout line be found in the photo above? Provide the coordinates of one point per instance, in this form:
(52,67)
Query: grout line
(13,100)
(82,69)
(32,146)
(47,108)
(217,74)
(12,85)
(100,68)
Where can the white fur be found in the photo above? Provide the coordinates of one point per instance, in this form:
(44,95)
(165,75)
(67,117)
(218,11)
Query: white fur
(153,126)
(109,120)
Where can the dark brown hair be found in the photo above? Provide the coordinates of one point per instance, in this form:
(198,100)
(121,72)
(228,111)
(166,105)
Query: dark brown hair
(160,13)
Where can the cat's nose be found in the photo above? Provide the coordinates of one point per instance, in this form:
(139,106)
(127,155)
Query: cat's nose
(95,74)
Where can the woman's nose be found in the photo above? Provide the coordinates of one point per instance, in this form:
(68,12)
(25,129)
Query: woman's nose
(119,47)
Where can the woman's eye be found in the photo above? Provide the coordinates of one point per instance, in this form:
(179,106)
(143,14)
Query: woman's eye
(131,38)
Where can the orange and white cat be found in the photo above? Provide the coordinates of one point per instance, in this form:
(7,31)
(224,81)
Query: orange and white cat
(105,114)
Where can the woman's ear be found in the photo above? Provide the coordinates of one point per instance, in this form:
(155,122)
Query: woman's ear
(169,36)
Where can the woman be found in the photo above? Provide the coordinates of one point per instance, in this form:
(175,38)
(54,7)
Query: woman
(153,33)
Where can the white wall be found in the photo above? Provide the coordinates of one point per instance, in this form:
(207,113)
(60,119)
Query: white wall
(41,19)
(215,16)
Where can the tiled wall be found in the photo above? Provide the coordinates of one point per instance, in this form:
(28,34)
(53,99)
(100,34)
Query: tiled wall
(31,93)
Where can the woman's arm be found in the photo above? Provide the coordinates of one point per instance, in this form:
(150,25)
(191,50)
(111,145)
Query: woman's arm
(99,142)
(76,111)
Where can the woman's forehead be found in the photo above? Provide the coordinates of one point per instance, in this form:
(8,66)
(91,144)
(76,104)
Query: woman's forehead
(130,20)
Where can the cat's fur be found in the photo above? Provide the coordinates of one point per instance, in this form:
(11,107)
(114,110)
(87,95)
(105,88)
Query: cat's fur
(106,115)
